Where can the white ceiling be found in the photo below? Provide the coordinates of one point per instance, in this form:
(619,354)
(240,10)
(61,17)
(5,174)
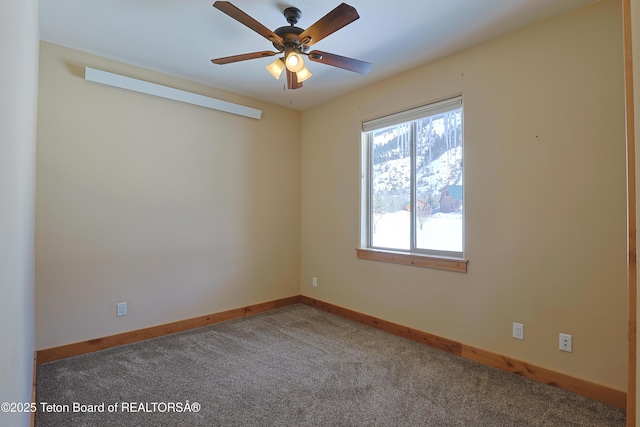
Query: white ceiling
(180,37)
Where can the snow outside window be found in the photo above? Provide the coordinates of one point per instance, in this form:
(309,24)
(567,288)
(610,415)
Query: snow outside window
(414,181)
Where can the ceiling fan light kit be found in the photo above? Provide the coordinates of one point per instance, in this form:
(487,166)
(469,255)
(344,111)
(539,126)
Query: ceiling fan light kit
(294,42)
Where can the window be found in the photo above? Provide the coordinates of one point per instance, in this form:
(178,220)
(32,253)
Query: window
(413,181)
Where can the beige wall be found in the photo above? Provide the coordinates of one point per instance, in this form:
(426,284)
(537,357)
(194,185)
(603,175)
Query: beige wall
(18,99)
(545,198)
(178,210)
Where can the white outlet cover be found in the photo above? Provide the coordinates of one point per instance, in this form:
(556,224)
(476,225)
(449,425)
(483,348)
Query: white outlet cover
(122,309)
(566,343)
(518,331)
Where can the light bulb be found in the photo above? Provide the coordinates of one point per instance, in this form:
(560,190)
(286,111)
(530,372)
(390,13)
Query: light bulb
(294,62)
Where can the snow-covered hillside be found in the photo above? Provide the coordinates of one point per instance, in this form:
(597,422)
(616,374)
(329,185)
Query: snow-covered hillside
(391,179)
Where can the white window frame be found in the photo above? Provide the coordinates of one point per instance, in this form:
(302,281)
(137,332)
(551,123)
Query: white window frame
(415,256)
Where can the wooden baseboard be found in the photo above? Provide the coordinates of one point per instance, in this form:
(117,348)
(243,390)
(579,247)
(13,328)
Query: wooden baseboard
(57,353)
(586,388)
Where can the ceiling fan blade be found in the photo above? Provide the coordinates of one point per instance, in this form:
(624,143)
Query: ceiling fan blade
(328,24)
(243,57)
(340,61)
(292,80)
(243,18)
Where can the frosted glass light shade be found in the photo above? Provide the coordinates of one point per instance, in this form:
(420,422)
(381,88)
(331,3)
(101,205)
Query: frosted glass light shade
(276,68)
(303,74)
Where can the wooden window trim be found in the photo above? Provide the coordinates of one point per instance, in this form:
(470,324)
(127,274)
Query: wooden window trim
(417,260)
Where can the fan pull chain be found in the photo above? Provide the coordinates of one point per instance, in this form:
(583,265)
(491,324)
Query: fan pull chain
(284,87)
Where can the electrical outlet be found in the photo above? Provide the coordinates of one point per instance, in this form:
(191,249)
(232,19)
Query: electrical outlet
(518,331)
(122,309)
(314,282)
(566,343)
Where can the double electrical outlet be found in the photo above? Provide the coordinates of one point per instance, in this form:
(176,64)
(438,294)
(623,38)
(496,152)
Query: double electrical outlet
(565,341)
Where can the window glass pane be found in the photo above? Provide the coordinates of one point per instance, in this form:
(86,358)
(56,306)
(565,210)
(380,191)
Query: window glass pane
(439,181)
(391,187)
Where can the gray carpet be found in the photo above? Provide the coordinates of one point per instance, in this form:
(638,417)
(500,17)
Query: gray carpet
(298,366)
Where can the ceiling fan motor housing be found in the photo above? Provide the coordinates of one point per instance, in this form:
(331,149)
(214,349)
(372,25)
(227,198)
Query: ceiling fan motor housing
(290,33)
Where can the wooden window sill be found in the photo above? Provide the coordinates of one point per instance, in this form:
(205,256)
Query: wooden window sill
(428,261)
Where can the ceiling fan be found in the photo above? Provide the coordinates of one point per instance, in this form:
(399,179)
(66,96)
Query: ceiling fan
(294,42)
